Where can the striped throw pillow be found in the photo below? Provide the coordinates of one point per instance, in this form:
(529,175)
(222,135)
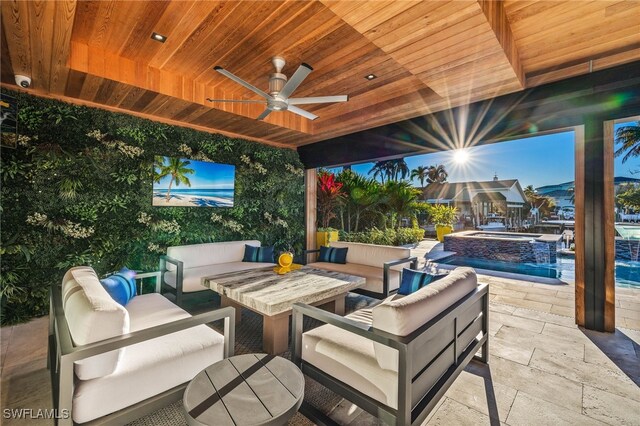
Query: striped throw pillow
(258,254)
(333,254)
(413,281)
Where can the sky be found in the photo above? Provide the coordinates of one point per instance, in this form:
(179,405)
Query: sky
(538,161)
(207,176)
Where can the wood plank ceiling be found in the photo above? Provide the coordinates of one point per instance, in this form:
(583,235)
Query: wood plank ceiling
(427,55)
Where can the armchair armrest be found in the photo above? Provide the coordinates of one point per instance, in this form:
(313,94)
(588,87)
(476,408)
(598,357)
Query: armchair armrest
(300,310)
(164,259)
(387,266)
(305,252)
(74,353)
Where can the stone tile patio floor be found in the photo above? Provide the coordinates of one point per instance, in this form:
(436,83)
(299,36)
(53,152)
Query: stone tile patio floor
(543,369)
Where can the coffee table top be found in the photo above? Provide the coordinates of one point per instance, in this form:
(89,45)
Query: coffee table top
(268,293)
(253,389)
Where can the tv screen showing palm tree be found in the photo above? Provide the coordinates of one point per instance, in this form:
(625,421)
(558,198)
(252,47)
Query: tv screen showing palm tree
(180,182)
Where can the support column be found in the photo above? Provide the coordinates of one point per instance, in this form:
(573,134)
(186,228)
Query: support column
(310,207)
(595,283)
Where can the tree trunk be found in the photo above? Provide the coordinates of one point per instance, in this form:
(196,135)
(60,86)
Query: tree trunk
(169,190)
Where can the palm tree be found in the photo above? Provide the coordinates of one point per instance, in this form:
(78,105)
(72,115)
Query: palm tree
(420,173)
(629,137)
(400,201)
(177,169)
(379,169)
(437,174)
(390,169)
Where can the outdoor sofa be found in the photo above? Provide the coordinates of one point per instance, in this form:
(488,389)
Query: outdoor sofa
(183,267)
(111,364)
(397,359)
(380,265)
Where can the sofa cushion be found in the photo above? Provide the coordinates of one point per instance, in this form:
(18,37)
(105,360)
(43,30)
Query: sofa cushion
(121,286)
(192,277)
(258,254)
(197,255)
(333,254)
(413,281)
(372,274)
(351,358)
(401,315)
(92,315)
(371,254)
(150,367)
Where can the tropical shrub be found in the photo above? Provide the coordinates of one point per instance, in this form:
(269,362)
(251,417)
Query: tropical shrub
(329,195)
(387,237)
(77,191)
(443,215)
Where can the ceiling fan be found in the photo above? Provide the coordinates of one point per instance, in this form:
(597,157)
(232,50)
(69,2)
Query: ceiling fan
(279,91)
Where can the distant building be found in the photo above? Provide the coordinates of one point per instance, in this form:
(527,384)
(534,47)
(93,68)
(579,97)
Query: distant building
(562,193)
(478,200)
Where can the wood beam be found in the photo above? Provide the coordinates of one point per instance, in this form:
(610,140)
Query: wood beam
(100,63)
(310,207)
(579,236)
(497,19)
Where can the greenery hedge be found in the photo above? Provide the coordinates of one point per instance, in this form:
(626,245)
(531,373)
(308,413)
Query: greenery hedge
(387,237)
(77,191)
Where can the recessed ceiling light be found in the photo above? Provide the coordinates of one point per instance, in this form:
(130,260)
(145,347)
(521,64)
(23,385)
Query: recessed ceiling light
(158,37)
(370,76)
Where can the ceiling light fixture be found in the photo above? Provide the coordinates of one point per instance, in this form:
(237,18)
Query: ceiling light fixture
(158,37)
(370,76)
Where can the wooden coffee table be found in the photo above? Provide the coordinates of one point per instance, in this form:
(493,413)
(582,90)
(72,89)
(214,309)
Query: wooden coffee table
(253,389)
(271,295)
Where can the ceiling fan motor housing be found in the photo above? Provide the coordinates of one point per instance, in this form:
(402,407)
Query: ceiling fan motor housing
(276,83)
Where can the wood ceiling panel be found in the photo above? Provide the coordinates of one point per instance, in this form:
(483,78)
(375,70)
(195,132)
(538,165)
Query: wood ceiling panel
(428,55)
(557,34)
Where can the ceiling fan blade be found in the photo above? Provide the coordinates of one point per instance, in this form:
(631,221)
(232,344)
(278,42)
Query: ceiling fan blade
(318,100)
(301,73)
(242,82)
(252,101)
(300,111)
(264,114)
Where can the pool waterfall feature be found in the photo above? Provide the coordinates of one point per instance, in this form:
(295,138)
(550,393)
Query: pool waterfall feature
(505,246)
(628,243)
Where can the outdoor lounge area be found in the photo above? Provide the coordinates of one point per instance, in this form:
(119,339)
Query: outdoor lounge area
(281,212)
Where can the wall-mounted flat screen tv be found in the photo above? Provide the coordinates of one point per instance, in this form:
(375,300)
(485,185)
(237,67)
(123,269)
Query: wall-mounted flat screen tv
(180,182)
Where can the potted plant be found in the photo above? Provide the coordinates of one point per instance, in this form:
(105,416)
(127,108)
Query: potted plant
(443,217)
(329,195)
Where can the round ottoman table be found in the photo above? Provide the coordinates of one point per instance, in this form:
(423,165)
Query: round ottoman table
(254,389)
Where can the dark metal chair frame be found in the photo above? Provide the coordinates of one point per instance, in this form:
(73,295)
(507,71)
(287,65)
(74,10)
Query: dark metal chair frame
(413,261)
(63,353)
(415,366)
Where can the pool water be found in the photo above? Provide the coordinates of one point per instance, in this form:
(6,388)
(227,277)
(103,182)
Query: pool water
(627,272)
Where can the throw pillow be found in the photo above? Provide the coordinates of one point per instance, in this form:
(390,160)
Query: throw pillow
(413,281)
(121,286)
(333,254)
(258,254)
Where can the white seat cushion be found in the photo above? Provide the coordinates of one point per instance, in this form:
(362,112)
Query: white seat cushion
(351,359)
(152,367)
(372,254)
(192,277)
(402,315)
(92,316)
(197,255)
(373,274)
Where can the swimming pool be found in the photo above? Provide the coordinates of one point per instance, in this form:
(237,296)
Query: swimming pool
(627,272)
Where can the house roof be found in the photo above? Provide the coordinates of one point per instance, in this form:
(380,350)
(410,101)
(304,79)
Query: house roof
(460,190)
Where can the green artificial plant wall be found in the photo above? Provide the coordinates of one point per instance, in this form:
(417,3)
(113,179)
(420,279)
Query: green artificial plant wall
(77,191)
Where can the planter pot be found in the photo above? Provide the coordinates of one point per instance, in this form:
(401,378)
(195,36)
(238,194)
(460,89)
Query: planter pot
(442,230)
(325,237)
